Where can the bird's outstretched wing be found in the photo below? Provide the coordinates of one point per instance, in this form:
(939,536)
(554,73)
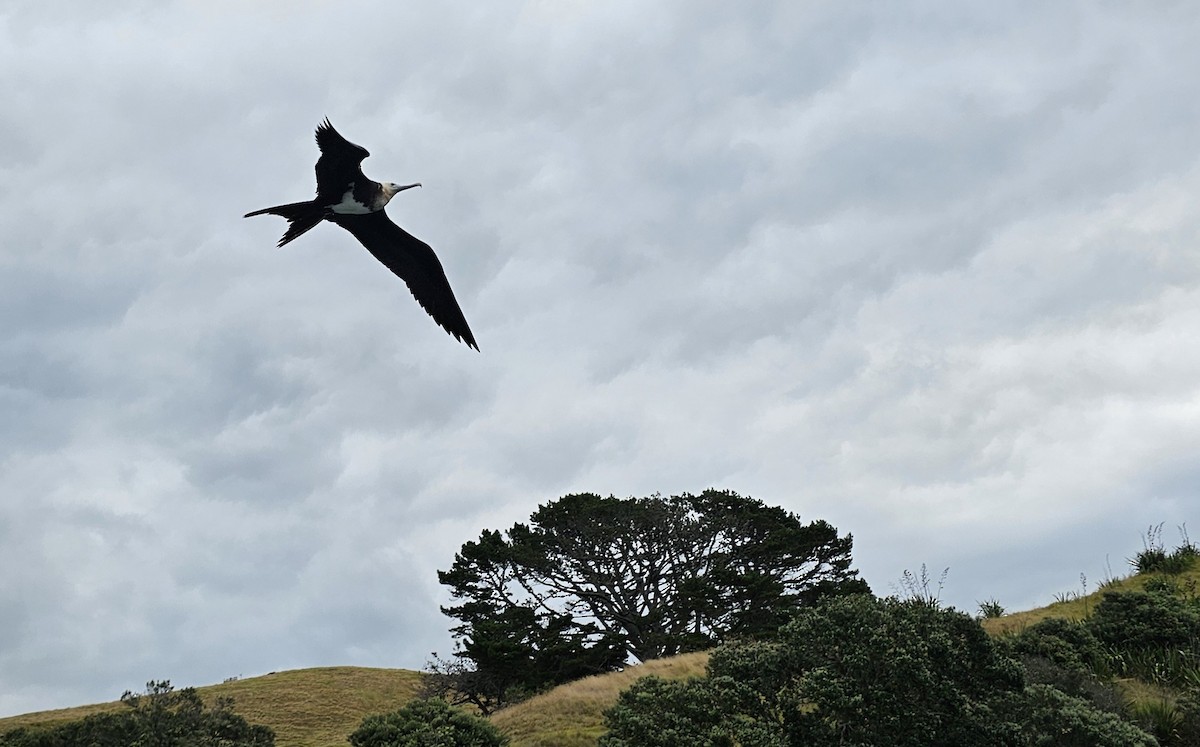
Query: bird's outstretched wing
(414,262)
(339,166)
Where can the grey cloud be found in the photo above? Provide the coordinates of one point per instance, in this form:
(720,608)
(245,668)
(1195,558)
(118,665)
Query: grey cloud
(927,272)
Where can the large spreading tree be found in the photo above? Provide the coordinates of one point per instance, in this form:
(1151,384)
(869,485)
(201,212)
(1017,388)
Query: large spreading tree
(590,581)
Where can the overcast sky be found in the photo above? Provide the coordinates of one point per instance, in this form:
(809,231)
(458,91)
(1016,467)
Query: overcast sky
(929,271)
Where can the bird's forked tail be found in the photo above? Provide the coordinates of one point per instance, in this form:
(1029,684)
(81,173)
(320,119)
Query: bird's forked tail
(301,217)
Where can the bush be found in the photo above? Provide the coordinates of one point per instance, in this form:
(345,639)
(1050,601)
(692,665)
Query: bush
(1187,731)
(1160,717)
(853,670)
(1140,620)
(863,671)
(162,716)
(426,723)
(896,673)
(1080,683)
(1150,560)
(98,730)
(1050,718)
(1154,558)
(1069,644)
(713,711)
(990,609)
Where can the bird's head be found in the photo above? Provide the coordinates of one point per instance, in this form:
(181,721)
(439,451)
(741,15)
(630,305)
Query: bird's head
(390,189)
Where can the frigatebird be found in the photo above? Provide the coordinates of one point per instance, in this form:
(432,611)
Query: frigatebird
(354,202)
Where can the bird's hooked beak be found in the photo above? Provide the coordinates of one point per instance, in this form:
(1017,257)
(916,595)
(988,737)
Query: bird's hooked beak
(407,186)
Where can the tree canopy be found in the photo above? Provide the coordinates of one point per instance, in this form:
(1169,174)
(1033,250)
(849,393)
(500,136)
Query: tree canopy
(603,579)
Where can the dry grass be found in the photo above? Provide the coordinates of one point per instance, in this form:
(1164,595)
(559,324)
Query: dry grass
(1079,607)
(320,707)
(571,715)
(305,707)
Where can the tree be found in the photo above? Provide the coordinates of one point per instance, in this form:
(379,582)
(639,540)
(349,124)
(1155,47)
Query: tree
(426,723)
(518,653)
(863,671)
(606,578)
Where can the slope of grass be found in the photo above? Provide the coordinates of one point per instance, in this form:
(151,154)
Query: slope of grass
(320,707)
(571,715)
(305,707)
(1078,606)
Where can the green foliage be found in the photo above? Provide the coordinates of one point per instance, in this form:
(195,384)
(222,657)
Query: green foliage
(852,670)
(709,712)
(519,653)
(1175,563)
(98,730)
(1068,643)
(918,588)
(426,723)
(161,717)
(1046,717)
(1164,665)
(1160,717)
(863,671)
(1080,683)
(991,608)
(892,672)
(1144,620)
(1067,656)
(590,581)
(1187,727)
(1154,558)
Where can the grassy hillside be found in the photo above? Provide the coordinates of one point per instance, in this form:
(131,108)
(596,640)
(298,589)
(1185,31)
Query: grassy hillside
(320,707)
(572,715)
(1078,605)
(305,707)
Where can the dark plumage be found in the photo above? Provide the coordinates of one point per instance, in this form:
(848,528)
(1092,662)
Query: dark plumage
(348,198)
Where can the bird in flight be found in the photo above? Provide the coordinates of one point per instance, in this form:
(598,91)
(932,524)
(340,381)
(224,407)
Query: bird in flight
(354,202)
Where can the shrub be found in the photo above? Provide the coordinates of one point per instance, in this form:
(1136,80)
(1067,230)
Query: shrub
(1154,557)
(1049,717)
(1187,731)
(1080,683)
(708,711)
(1153,636)
(1141,620)
(162,716)
(1150,560)
(864,671)
(426,723)
(854,670)
(100,730)
(1160,717)
(1176,562)
(894,672)
(1162,585)
(991,608)
(1065,642)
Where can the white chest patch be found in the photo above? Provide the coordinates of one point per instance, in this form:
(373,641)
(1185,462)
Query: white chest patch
(349,205)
